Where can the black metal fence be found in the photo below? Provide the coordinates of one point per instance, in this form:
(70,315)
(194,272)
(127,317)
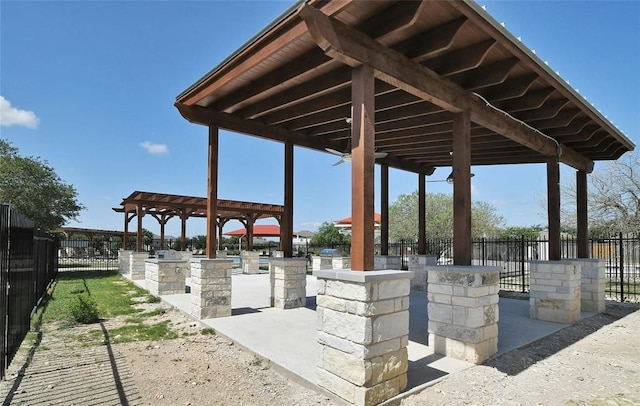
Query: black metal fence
(28,265)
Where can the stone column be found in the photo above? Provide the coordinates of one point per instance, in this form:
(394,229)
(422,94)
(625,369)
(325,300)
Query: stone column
(250,262)
(383,262)
(123,262)
(288,282)
(221,254)
(211,288)
(363,330)
(593,282)
(341,263)
(555,291)
(187,255)
(463,311)
(165,277)
(137,264)
(418,265)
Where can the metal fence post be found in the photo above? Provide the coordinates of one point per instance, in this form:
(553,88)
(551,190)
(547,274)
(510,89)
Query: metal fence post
(621,267)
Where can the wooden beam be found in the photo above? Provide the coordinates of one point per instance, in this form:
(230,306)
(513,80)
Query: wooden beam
(362,169)
(354,48)
(384,210)
(139,237)
(201,115)
(553,208)
(212,192)
(286,233)
(462,242)
(581,214)
(422,194)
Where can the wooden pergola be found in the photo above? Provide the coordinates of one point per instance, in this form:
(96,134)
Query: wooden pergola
(90,233)
(164,207)
(430,83)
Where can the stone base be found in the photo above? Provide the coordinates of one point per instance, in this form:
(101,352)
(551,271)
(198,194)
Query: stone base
(165,277)
(124,268)
(463,311)
(418,265)
(250,262)
(321,263)
(288,277)
(211,288)
(341,263)
(137,265)
(555,291)
(363,329)
(382,262)
(593,282)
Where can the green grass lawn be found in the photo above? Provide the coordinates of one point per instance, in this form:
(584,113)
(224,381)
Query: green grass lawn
(114,296)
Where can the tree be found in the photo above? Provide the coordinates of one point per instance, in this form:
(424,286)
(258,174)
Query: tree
(613,198)
(403,217)
(328,235)
(33,188)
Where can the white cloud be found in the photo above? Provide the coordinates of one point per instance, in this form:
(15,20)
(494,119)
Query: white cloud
(155,149)
(10,115)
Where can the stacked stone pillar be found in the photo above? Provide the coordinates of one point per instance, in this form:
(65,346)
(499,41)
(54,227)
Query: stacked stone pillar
(137,265)
(250,262)
(211,288)
(288,278)
(165,277)
(363,329)
(593,281)
(418,265)
(221,254)
(555,291)
(123,262)
(463,311)
(383,262)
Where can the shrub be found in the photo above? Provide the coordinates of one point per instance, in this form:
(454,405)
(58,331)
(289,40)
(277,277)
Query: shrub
(84,309)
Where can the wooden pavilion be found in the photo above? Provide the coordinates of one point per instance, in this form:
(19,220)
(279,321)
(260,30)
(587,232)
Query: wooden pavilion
(164,207)
(430,83)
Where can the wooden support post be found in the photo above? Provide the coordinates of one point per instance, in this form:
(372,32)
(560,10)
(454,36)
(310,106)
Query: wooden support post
(183,230)
(250,221)
(422,195)
(125,235)
(581,214)
(139,237)
(212,192)
(286,233)
(362,168)
(553,207)
(384,209)
(462,243)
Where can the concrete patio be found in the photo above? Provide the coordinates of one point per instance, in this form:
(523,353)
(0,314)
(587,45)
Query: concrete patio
(259,328)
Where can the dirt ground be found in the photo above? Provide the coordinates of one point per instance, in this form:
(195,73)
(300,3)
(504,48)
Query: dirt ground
(594,362)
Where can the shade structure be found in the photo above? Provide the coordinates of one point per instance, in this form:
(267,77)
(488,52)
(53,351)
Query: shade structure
(267,230)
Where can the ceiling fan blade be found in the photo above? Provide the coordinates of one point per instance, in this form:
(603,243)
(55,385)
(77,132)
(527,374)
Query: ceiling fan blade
(381,154)
(333,151)
(339,162)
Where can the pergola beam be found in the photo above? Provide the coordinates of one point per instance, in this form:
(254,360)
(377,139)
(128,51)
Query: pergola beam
(354,48)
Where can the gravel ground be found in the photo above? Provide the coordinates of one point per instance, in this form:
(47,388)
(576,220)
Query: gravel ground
(594,362)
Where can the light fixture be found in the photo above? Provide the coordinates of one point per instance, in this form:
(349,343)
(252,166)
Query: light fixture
(449,179)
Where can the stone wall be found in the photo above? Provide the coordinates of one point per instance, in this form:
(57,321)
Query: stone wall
(555,291)
(211,288)
(363,329)
(463,311)
(341,263)
(288,277)
(320,263)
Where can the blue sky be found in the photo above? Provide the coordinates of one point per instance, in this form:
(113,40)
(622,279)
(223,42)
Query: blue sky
(89,87)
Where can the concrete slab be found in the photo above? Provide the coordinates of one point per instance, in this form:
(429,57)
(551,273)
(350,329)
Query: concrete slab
(260,328)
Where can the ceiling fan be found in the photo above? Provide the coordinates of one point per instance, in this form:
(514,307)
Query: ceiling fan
(346,156)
